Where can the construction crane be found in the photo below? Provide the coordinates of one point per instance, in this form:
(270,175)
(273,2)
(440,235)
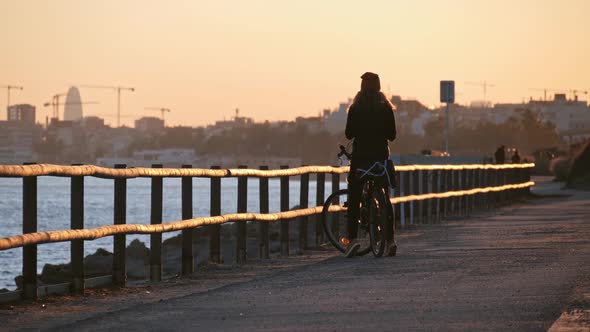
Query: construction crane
(485,86)
(8,88)
(573,92)
(116,88)
(54,103)
(161,109)
(545,90)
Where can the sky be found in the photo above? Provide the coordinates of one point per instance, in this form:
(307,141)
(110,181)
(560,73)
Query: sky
(277,59)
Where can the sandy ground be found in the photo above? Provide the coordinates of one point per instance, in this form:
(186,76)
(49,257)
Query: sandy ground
(523,267)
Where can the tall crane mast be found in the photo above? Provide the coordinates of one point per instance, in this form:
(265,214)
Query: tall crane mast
(161,109)
(54,103)
(8,88)
(116,88)
(485,86)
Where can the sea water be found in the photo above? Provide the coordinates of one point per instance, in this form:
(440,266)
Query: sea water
(53,211)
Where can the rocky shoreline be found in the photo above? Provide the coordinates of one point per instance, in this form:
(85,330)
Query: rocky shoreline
(100,263)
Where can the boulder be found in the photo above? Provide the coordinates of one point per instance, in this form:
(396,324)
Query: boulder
(580,164)
(138,258)
(560,167)
(56,274)
(98,264)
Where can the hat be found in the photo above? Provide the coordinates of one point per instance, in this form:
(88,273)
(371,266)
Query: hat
(370,81)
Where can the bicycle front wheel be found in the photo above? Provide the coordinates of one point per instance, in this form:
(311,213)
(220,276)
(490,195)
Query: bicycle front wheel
(379,207)
(334,221)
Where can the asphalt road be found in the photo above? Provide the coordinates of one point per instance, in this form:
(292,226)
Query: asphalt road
(516,270)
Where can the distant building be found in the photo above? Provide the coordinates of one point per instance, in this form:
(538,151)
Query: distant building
(17,142)
(410,115)
(23,113)
(313,123)
(149,123)
(236,122)
(73,105)
(335,121)
(146,158)
(92,122)
(568,116)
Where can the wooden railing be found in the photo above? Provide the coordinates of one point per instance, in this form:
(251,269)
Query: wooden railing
(425,194)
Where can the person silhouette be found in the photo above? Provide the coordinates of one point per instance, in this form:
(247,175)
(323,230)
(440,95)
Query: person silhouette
(371,124)
(500,155)
(515,157)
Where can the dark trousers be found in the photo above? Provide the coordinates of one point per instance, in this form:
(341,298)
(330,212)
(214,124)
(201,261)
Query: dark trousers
(355,189)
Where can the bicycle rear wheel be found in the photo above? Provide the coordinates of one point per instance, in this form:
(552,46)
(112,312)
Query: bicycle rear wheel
(379,208)
(335,223)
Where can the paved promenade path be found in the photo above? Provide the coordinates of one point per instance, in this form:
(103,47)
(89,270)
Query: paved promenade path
(520,268)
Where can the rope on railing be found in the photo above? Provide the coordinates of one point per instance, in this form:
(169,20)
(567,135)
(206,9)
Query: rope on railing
(104,172)
(103,231)
(409,198)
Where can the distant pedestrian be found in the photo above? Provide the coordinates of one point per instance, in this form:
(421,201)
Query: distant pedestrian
(500,155)
(516,157)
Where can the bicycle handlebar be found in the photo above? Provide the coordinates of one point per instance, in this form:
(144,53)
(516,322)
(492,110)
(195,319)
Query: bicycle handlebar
(344,152)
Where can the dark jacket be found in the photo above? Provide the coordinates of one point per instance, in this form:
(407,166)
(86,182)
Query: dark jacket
(371,123)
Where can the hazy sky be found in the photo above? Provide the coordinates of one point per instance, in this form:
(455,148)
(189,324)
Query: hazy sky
(279,59)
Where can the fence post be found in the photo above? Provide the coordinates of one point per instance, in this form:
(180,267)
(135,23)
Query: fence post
(464,180)
(489,182)
(527,178)
(443,187)
(319,198)
(77,222)
(424,180)
(510,180)
(456,185)
(263,249)
(119,246)
(480,178)
(435,203)
(397,206)
(263,246)
(335,188)
(476,184)
(215,210)
(29,226)
(406,178)
(415,190)
(503,178)
(303,203)
(241,228)
(284,207)
(187,234)
(470,198)
(156,219)
(496,182)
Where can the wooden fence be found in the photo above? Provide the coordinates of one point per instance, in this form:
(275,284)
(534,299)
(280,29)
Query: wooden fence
(424,194)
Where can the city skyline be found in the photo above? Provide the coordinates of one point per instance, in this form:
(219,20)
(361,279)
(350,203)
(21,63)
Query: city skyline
(277,61)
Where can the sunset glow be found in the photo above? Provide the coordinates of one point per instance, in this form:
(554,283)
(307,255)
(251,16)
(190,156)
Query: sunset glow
(281,59)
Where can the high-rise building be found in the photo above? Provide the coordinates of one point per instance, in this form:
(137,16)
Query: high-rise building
(73,105)
(23,113)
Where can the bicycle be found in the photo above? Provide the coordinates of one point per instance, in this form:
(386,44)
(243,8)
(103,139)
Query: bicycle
(375,209)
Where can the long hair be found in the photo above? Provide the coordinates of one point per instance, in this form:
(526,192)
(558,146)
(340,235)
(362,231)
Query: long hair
(370,99)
